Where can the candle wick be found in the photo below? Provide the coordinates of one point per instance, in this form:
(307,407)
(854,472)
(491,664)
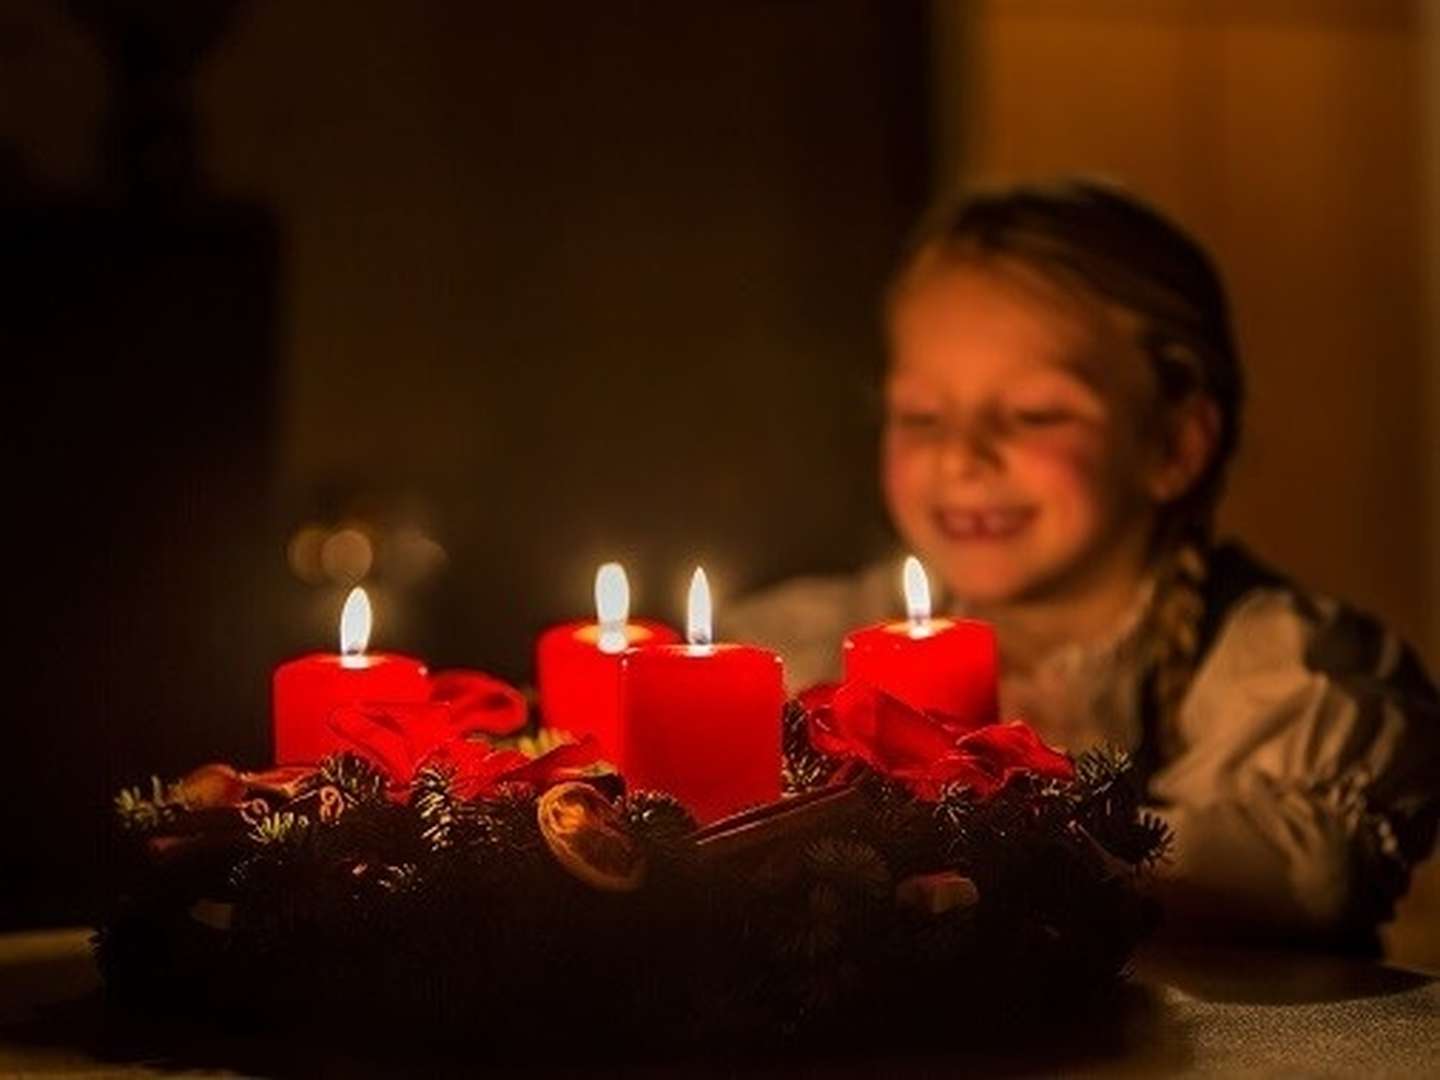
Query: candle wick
(920,626)
(612,637)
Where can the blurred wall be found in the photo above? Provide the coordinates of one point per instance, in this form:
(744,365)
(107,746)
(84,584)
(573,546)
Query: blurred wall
(571,283)
(1288,135)
(1431,290)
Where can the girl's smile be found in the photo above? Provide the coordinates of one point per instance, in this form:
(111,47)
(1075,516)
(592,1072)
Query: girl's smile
(983,524)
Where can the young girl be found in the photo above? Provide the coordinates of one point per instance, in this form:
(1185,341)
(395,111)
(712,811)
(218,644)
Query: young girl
(1062,398)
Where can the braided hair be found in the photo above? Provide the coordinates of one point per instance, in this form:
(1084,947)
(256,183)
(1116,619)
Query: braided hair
(1092,237)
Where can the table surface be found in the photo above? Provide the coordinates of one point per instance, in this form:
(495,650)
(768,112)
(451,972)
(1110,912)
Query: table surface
(1188,1011)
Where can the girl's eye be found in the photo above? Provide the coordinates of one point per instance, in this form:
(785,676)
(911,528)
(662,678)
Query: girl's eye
(915,423)
(1041,417)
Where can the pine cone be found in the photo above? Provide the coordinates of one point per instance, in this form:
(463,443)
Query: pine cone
(358,780)
(506,821)
(441,814)
(657,818)
(803,767)
(852,865)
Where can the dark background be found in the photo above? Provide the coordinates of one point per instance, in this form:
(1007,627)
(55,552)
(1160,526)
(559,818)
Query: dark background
(635,250)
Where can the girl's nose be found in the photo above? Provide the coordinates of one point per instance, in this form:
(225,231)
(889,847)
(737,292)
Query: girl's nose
(968,449)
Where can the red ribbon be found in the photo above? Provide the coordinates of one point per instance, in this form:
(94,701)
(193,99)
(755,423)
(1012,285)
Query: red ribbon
(926,751)
(479,702)
(401,739)
(398,737)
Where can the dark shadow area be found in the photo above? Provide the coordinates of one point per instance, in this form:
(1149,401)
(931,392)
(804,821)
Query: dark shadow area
(1128,1024)
(1220,973)
(53,1016)
(141,327)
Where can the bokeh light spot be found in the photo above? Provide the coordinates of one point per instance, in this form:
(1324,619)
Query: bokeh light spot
(347,556)
(303,554)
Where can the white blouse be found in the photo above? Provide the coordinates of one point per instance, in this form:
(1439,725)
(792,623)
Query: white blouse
(1304,778)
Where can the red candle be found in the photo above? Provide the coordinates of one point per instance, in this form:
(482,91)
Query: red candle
(577,664)
(949,665)
(309,689)
(702,721)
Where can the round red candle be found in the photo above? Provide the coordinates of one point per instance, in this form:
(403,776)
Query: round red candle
(577,664)
(702,721)
(307,690)
(948,665)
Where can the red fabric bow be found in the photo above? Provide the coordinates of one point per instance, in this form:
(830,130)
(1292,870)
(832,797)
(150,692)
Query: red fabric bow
(926,751)
(401,739)
(479,770)
(479,702)
(396,736)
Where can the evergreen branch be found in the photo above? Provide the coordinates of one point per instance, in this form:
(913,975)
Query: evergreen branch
(143,814)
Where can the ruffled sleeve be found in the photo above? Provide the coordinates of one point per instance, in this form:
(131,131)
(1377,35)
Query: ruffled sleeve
(1305,782)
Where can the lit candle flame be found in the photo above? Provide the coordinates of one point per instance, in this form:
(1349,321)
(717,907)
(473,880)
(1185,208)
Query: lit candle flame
(355,625)
(699,629)
(917,597)
(612,605)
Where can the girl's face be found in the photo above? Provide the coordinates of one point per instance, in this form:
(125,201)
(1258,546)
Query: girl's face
(1020,459)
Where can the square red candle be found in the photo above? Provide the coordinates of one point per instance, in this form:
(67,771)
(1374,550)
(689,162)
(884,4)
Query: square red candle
(702,721)
(948,665)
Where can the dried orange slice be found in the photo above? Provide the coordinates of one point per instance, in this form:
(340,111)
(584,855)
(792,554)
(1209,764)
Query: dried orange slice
(586,834)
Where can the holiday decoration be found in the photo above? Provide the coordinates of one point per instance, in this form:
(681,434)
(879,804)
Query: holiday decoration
(428,881)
